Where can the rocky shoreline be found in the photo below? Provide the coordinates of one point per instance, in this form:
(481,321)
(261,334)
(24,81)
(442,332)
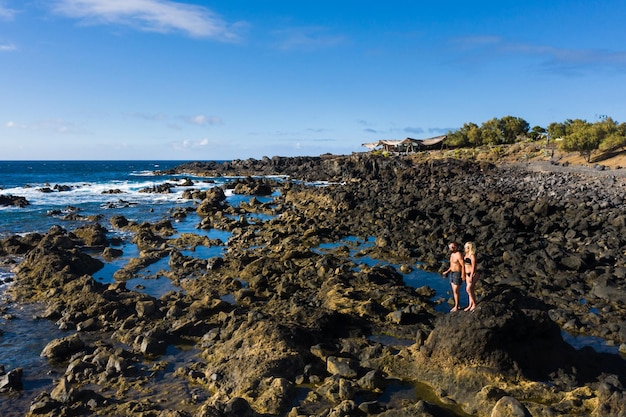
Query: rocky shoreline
(297,340)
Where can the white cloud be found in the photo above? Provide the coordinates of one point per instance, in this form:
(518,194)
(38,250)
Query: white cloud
(6,13)
(566,60)
(7,47)
(472,42)
(198,120)
(416,130)
(202,120)
(51,125)
(147,116)
(187,144)
(162,16)
(312,37)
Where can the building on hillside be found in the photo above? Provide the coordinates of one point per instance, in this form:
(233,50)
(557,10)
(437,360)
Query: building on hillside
(407,145)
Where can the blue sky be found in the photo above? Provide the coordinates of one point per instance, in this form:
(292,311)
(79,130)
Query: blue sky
(206,80)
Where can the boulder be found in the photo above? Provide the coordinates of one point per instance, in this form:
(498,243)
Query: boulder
(344,367)
(509,407)
(508,337)
(11,381)
(11,200)
(56,260)
(63,392)
(252,186)
(254,351)
(274,396)
(62,349)
(214,199)
(43,404)
(92,235)
(612,397)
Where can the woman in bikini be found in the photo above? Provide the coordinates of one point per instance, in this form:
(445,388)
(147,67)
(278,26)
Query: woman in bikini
(469,259)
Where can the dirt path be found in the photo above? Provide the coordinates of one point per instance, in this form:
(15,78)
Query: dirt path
(547,166)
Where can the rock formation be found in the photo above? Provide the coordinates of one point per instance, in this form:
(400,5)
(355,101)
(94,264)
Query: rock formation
(276,327)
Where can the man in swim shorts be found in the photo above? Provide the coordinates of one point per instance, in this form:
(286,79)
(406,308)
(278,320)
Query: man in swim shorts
(456,272)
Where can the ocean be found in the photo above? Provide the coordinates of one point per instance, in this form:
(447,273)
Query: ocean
(56,188)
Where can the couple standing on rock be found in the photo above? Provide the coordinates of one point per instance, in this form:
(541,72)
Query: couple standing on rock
(462,268)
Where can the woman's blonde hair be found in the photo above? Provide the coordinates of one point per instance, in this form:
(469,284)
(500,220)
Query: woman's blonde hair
(470,248)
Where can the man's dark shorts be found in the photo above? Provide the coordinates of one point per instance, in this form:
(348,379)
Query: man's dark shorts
(455,278)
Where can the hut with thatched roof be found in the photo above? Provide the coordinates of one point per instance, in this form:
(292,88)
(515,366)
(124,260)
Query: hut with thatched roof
(406,145)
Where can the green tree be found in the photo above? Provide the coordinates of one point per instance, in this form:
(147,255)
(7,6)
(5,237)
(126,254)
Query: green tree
(556,130)
(572,126)
(490,132)
(468,135)
(613,135)
(456,139)
(473,133)
(512,128)
(583,137)
(502,131)
(537,132)
(612,142)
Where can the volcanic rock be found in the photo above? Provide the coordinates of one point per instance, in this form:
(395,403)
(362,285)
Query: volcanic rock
(12,200)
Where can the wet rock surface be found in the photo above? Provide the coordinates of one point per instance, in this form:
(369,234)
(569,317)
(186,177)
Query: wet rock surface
(277,327)
(12,200)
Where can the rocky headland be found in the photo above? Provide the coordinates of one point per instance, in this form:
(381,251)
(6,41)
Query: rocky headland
(302,332)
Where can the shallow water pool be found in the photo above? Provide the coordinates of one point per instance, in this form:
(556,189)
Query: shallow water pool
(21,342)
(598,344)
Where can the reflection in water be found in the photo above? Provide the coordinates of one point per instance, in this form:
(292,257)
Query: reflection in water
(396,393)
(390,340)
(154,287)
(21,342)
(399,393)
(105,274)
(166,375)
(229,298)
(597,343)
(205,252)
